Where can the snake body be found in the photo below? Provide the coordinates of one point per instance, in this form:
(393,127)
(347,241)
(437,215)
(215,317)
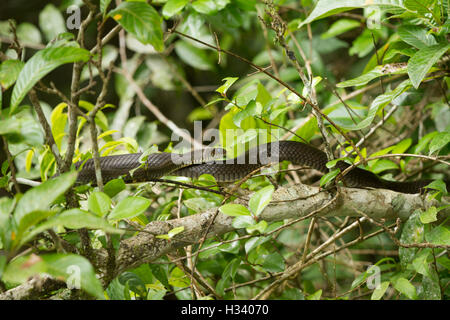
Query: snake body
(298,153)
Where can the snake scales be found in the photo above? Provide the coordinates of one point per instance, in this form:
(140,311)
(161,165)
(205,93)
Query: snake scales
(298,153)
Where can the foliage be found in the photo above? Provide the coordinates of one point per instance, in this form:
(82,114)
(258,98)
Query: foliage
(376,70)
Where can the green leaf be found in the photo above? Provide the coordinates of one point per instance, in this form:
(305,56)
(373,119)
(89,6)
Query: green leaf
(420,263)
(22,268)
(193,56)
(405,287)
(9,71)
(439,235)
(51,22)
(228,83)
(58,120)
(413,232)
(260,199)
(260,227)
(429,216)
(383,165)
(438,185)
(234,210)
(274,262)
(424,142)
(423,60)
(113,187)
(209,6)
(402,146)
(339,27)
(72,219)
(104,6)
(173,232)
(378,104)
(329,177)
(439,141)
(173,7)
(41,197)
(379,292)
(416,36)
(99,203)
(243,222)
(422,7)
(325,8)
(141,20)
(363,79)
(315,296)
(230,270)
(129,207)
(76,271)
(42,63)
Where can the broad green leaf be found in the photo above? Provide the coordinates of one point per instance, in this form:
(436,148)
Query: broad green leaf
(58,120)
(9,71)
(231,268)
(416,36)
(261,199)
(51,22)
(113,187)
(10,126)
(28,33)
(325,8)
(209,6)
(378,104)
(104,6)
(377,72)
(429,216)
(274,262)
(29,160)
(173,232)
(42,63)
(423,60)
(439,235)
(260,227)
(413,232)
(41,197)
(228,83)
(315,296)
(173,7)
(423,143)
(420,263)
(383,165)
(438,185)
(329,176)
(243,222)
(439,141)
(193,56)
(339,27)
(129,207)
(99,203)
(234,210)
(250,110)
(402,146)
(378,293)
(76,271)
(405,287)
(199,204)
(421,7)
(141,20)
(22,268)
(72,219)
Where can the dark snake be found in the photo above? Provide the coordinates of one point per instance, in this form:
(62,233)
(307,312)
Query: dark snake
(157,165)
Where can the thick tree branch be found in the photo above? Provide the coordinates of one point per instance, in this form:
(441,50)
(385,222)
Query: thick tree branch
(288,203)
